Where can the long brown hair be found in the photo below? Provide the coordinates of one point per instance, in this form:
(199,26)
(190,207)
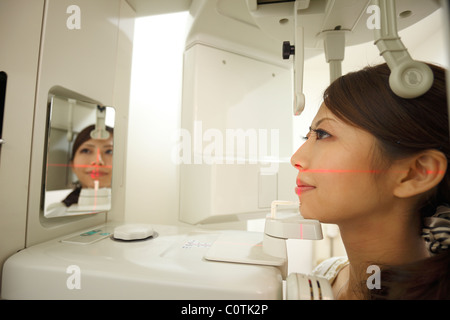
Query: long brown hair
(402,127)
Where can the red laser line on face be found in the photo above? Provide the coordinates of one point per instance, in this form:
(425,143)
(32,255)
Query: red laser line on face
(303,187)
(339,171)
(96,167)
(361,171)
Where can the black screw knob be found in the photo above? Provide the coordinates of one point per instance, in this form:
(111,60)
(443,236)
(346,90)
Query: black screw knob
(288,50)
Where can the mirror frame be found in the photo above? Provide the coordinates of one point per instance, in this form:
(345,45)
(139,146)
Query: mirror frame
(65,94)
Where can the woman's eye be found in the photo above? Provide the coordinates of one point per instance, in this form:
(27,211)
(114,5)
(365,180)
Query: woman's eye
(321,134)
(109,151)
(85,150)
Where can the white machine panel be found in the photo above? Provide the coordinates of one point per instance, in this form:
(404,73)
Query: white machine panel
(236,137)
(170,265)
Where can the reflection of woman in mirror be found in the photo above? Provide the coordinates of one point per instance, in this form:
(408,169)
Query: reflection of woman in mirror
(91,162)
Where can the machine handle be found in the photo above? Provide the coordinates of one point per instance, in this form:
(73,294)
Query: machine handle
(409,78)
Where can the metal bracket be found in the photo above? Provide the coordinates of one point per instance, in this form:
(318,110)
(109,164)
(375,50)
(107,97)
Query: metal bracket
(409,78)
(299,57)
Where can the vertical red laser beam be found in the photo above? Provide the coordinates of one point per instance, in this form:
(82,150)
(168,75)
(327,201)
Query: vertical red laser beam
(96,183)
(96,171)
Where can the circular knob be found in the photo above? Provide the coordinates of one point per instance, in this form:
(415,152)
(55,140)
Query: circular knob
(133,232)
(411,79)
(288,50)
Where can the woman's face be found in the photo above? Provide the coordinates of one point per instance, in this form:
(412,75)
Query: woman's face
(336,179)
(93,162)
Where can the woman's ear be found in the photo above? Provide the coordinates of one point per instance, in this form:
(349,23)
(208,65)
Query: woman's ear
(420,173)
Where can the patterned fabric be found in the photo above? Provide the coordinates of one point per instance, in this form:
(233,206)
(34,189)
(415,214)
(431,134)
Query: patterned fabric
(437,230)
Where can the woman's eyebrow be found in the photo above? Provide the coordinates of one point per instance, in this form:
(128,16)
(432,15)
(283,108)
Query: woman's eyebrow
(322,120)
(87,145)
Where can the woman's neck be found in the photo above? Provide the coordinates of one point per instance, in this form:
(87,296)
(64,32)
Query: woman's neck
(382,240)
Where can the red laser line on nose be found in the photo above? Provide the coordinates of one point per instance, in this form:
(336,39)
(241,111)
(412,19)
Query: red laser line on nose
(95,174)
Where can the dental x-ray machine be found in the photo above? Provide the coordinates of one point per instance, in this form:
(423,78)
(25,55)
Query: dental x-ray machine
(409,79)
(168,262)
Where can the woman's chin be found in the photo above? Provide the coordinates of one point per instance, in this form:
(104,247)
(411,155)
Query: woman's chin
(307,213)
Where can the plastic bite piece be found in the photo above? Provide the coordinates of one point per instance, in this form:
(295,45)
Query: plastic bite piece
(292,226)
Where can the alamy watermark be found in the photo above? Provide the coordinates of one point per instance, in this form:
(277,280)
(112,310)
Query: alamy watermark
(374,20)
(73,22)
(74,280)
(374,280)
(234,146)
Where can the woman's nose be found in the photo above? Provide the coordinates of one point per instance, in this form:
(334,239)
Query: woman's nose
(295,160)
(298,159)
(98,160)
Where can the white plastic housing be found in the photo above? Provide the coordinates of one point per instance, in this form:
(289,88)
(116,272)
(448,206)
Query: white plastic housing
(230,101)
(294,228)
(169,266)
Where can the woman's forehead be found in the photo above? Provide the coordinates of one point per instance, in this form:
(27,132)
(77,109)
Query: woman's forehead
(98,143)
(324,112)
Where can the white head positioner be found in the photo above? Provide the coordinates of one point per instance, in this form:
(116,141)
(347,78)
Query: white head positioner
(100,131)
(409,79)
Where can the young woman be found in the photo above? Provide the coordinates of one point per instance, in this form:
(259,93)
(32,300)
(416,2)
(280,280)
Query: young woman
(91,161)
(377,166)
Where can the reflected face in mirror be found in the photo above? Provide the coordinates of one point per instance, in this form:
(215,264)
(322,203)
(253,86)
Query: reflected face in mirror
(92,160)
(79,158)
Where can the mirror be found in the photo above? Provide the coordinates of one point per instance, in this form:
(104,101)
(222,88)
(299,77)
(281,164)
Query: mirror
(78,157)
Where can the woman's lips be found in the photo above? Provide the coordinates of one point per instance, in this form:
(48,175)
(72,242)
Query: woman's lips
(97,174)
(302,188)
